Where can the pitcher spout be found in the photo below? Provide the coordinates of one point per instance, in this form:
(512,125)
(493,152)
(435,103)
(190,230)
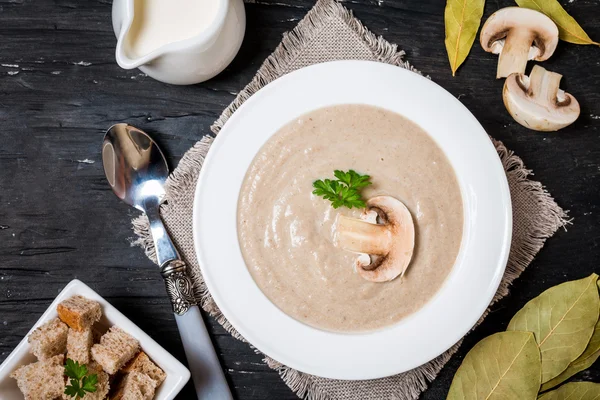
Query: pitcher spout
(128,61)
(123,18)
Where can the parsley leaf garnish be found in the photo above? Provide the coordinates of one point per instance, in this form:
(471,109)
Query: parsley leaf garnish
(345,191)
(88,383)
(80,381)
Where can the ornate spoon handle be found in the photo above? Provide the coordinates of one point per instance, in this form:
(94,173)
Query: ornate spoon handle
(179,286)
(207,374)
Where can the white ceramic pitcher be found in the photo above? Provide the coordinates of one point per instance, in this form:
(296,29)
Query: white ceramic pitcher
(187,61)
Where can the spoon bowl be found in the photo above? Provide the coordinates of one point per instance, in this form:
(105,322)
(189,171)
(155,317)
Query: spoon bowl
(135,167)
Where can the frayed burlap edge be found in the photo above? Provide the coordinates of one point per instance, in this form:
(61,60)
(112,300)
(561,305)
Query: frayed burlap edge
(184,177)
(554,218)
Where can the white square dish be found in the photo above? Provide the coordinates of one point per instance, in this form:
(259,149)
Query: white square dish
(177,373)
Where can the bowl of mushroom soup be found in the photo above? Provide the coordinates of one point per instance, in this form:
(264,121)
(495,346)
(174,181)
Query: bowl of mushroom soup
(352,213)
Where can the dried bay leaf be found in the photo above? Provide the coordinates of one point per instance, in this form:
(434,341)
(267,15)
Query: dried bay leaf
(569,30)
(503,366)
(574,391)
(584,361)
(576,366)
(462,19)
(563,319)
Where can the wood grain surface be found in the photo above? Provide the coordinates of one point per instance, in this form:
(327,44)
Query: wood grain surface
(60,88)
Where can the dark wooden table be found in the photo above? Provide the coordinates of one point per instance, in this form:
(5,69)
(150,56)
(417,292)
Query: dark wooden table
(60,88)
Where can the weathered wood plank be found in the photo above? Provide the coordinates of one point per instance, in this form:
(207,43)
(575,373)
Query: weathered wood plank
(60,89)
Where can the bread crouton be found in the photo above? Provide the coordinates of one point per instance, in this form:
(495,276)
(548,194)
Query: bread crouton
(116,347)
(79,344)
(102,387)
(78,312)
(136,386)
(49,340)
(41,380)
(142,363)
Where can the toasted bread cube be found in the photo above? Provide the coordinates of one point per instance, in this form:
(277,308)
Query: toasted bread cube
(41,380)
(102,387)
(49,339)
(142,363)
(79,313)
(79,344)
(136,386)
(116,347)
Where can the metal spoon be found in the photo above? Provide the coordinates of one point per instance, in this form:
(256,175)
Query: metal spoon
(136,170)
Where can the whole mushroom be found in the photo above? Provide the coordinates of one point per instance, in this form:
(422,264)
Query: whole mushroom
(518,35)
(384,238)
(537,102)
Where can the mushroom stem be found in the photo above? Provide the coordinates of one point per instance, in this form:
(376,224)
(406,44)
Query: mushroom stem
(515,53)
(359,236)
(544,85)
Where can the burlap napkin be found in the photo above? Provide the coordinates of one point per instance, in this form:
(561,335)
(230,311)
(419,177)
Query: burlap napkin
(330,32)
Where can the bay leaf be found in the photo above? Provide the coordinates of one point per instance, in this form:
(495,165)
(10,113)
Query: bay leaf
(584,361)
(563,319)
(574,391)
(568,29)
(573,368)
(503,366)
(462,19)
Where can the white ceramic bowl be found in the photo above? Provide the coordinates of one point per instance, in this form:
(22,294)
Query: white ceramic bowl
(177,373)
(471,284)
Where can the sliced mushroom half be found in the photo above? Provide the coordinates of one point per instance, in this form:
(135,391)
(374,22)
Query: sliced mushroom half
(537,103)
(518,35)
(384,238)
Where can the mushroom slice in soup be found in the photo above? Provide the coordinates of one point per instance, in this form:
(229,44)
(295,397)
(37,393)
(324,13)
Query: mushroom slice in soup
(384,238)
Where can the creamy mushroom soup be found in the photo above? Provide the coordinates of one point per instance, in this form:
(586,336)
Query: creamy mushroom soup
(286,233)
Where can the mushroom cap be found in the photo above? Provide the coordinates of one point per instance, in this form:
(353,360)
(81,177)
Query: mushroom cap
(537,103)
(543,31)
(394,214)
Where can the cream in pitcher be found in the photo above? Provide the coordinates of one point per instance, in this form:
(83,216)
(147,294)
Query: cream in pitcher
(178,41)
(160,22)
